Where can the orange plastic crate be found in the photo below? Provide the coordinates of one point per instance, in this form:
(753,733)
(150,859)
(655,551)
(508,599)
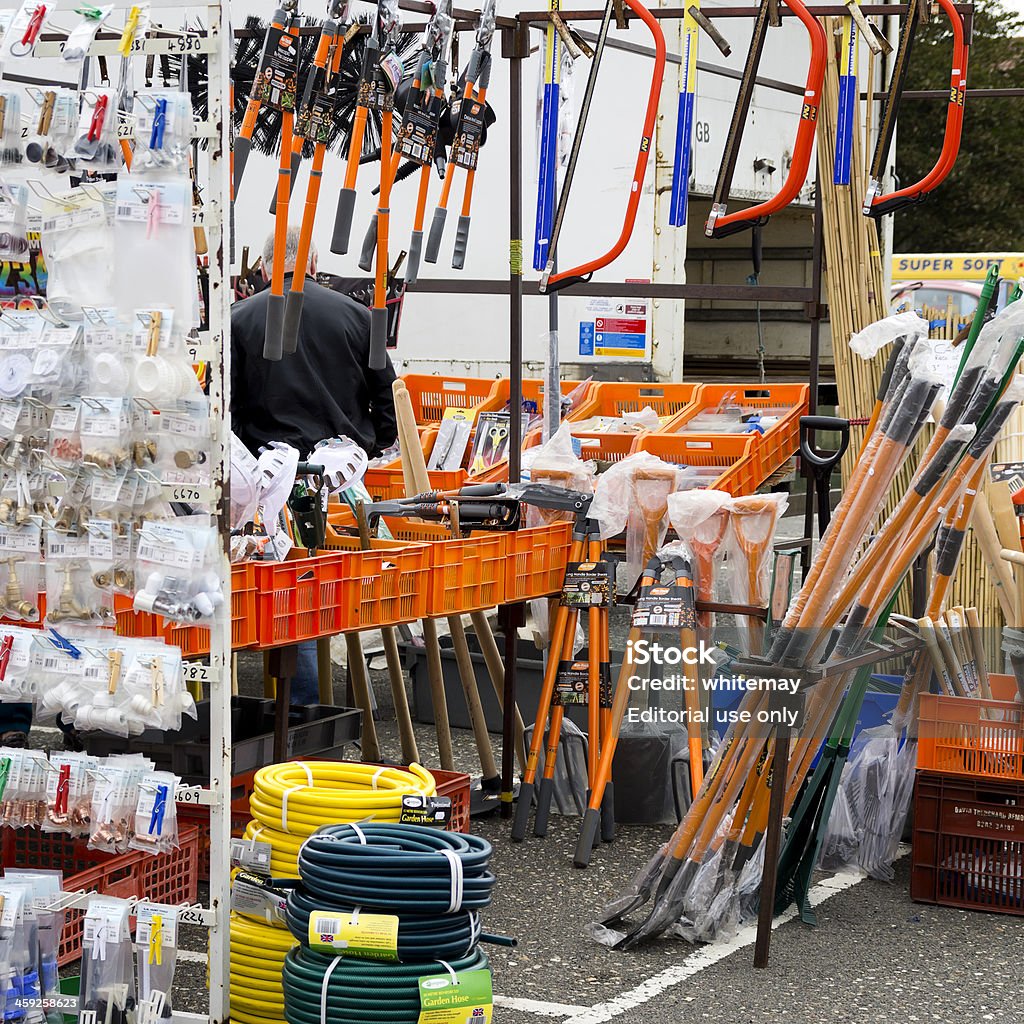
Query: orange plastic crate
(536,561)
(732,453)
(299,598)
(613,398)
(971,736)
(381,587)
(431,394)
(776,445)
(455,786)
(167,878)
(467,574)
(194,641)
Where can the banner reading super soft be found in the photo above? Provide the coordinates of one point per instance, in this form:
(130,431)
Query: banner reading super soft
(956,266)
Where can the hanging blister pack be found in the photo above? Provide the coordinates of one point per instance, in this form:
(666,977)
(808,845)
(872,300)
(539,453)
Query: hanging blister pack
(21,983)
(11,154)
(72,596)
(156,818)
(176,570)
(17,682)
(55,118)
(156,951)
(107,986)
(113,804)
(14,245)
(163,130)
(105,431)
(44,894)
(96,142)
(23,573)
(152,689)
(78,245)
(23,32)
(81,37)
(69,789)
(185,443)
(24,799)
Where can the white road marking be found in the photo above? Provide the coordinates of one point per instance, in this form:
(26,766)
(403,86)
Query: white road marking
(192,956)
(542,1009)
(708,956)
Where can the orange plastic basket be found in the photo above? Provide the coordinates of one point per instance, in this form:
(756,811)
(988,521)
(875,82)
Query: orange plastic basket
(971,736)
(537,556)
(467,574)
(455,786)
(166,878)
(431,394)
(194,641)
(386,585)
(299,598)
(614,398)
(732,453)
(781,441)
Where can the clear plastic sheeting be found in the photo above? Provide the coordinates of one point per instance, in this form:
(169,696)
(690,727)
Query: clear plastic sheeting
(633,496)
(868,342)
(570,792)
(871,805)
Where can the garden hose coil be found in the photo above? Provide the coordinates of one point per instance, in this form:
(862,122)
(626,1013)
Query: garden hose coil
(442,878)
(324,989)
(290,801)
(257,958)
(395,867)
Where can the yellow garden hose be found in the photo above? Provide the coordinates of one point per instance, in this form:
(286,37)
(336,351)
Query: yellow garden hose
(290,801)
(257,959)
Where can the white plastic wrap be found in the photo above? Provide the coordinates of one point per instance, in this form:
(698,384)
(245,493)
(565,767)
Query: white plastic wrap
(868,342)
(632,496)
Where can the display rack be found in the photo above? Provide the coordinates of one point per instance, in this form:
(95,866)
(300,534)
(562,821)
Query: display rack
(212,39)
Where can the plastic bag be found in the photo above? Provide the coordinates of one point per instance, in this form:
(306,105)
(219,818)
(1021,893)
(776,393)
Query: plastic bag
(156,819)
(107,985)
(869,341)
(156,948)
(633,495)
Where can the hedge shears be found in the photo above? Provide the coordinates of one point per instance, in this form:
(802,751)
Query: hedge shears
(315,115)
(549,280)
(283,24)
(378,77)
(418,137)
(470,130)
(720,223)
(875,203)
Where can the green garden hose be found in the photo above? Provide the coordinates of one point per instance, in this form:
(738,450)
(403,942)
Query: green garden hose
(397,867)
(358,991)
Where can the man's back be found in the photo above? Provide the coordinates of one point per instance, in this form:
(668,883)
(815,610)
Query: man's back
(326,388)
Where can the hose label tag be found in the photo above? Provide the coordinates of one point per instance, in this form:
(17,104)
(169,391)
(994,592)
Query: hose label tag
(367,936)
(461,997)
(418,809)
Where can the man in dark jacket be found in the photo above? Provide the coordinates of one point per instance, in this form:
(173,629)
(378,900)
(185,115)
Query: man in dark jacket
(326,388)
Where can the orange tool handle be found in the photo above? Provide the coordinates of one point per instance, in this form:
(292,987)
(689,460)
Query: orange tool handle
(584,271)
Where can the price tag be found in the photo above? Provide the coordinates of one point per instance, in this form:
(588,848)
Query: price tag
(198,672)
(367,936)
(195,916)
(193,494)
